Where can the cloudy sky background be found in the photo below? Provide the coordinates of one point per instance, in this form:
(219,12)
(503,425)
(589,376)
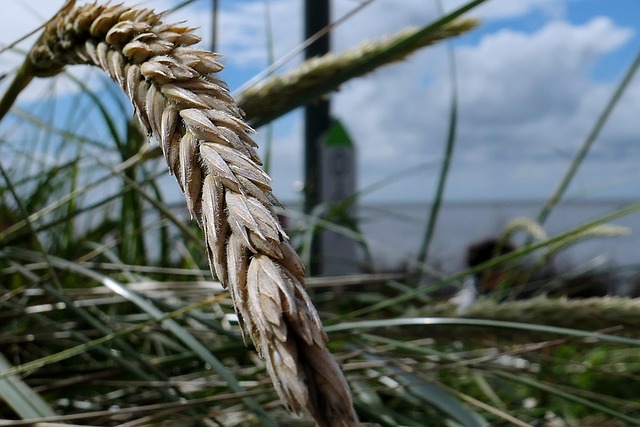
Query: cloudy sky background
(533,79)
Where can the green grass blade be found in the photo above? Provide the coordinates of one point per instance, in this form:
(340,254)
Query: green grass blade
(588,142)
(446,163)
(568,396)
(430,394)
(444,402)
(20,397)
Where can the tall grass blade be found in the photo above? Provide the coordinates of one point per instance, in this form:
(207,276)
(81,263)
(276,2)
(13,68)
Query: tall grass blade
(588,142)
(423,253)
(445,402)
(434,396)
(19,396)
(568,396)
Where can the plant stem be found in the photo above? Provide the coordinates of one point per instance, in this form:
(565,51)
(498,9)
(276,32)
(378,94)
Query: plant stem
(446,163)
(588,142)
(20,81)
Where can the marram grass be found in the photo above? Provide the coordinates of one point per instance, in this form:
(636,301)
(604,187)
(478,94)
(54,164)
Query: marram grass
(207,147)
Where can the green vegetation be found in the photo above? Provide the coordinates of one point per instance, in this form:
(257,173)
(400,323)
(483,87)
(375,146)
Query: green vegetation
(108,314)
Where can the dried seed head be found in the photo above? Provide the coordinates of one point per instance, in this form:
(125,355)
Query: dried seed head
(208,148)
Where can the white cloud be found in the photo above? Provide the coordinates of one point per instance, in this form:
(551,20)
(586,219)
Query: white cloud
(31,16)
(547,69)
(531,96)
(527,101)
(19,19)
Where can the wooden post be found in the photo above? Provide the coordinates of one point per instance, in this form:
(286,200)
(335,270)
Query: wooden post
(214,26)
(317,117)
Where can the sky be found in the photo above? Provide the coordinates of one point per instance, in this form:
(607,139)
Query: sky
(532,80)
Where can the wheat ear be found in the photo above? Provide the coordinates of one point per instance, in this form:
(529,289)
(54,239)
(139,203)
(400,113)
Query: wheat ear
(207,147)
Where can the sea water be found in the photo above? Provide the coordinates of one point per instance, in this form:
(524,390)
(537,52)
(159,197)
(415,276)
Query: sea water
(395,232)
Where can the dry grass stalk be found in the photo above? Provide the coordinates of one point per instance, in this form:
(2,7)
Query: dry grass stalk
(207,147)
